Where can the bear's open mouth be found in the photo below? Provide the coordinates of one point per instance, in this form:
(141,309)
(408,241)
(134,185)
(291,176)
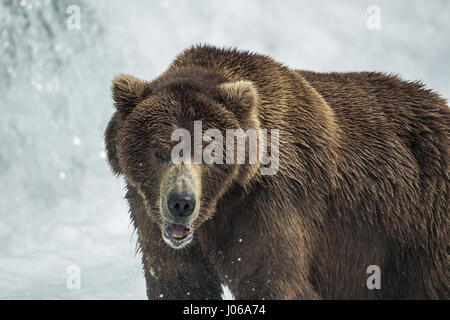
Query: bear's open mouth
(178,231)
(177,234)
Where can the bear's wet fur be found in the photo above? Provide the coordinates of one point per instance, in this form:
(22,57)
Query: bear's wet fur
(363,180)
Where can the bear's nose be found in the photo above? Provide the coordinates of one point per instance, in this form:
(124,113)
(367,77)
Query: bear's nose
(181,205)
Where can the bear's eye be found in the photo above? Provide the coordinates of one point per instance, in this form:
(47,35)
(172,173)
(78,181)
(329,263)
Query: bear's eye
(161,155)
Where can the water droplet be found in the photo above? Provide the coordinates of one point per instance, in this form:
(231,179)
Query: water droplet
(76,141)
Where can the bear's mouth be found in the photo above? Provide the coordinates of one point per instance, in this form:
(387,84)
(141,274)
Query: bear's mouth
(177,235)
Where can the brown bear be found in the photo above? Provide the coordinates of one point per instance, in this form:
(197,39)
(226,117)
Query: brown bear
(362,180)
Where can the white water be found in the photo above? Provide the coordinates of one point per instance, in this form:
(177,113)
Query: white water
(60,205)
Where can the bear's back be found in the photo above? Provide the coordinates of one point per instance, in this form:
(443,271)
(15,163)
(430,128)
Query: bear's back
(369,93)
(375,104)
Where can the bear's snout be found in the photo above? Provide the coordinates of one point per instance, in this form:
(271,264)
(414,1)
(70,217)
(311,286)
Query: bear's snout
(181,205)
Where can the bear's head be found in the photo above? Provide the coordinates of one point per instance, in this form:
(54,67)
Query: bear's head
(153,141)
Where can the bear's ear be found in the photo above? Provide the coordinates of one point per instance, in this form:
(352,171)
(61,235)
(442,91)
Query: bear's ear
(128,91)
(240,97)
(112,139)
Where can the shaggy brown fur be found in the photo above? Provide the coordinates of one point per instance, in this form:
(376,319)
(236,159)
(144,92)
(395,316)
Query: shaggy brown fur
(363,180)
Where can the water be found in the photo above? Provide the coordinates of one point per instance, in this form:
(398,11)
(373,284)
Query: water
(60,205)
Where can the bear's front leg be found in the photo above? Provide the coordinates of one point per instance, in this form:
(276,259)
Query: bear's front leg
(272,281)
(178,274)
